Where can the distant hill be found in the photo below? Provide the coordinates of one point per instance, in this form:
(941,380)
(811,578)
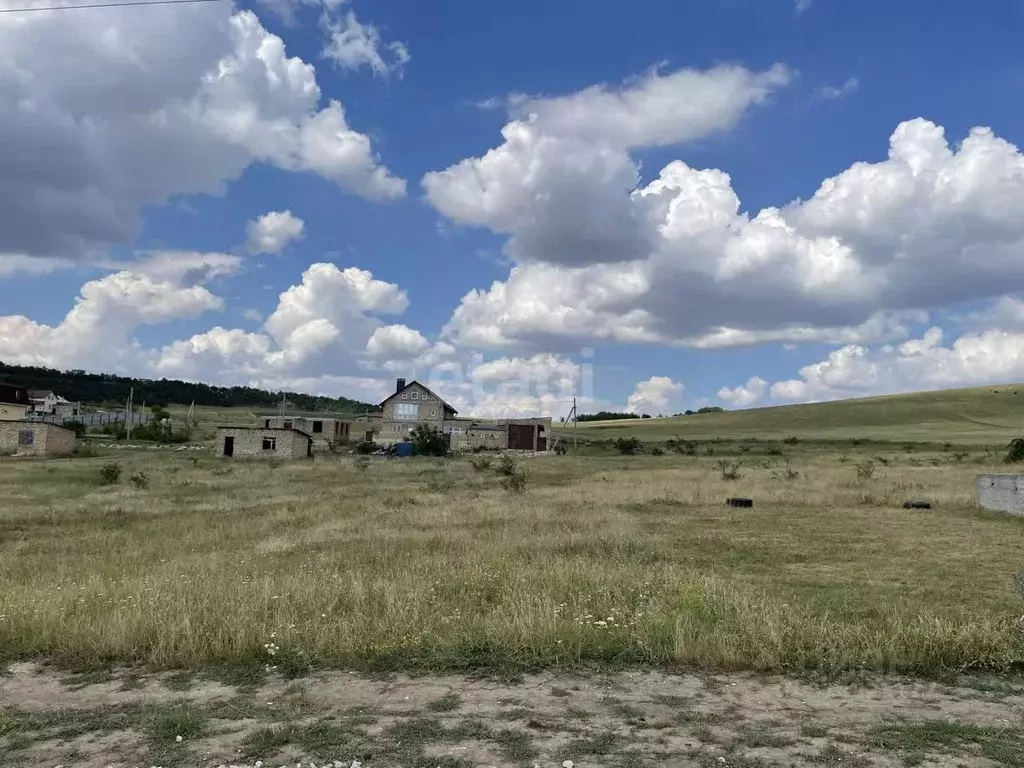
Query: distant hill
(981,415)
(97,388)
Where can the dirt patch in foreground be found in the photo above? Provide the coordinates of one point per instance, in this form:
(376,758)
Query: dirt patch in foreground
(627,719)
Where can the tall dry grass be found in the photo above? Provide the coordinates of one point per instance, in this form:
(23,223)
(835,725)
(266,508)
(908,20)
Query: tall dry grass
(428,564)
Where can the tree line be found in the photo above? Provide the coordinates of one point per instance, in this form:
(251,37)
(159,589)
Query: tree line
(106,388)
(612,415)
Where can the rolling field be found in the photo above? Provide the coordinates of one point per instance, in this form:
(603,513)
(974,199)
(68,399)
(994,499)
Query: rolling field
(202,612)
(434,565)
(981,415)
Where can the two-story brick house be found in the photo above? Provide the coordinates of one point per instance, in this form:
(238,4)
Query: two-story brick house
(411,404)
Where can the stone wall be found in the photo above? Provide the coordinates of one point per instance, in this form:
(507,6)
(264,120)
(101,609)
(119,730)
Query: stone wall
(330,429)
(249,443)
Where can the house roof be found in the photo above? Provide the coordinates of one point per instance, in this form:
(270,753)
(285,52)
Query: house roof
(39,394)
(14,395)
(429,390)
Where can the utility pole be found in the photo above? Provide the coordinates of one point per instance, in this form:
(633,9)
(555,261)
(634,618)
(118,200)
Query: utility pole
(128,412)
(575,427)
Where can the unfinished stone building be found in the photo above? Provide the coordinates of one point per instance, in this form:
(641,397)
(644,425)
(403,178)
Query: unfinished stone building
(262,443)
(35,438)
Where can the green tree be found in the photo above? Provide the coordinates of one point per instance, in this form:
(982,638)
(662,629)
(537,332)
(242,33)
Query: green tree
(428,441)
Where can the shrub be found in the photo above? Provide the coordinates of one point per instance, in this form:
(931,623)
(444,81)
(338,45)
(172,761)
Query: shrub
(791,440)
(744,448)
(730,469)
(515,483)
(115,429)
(865,469)
(110,473)
(786,473)
(656,451)
(774,449)
(365,447)
(628,446)
(684,447)
(507,465)
(480,463)
(560,449)
(429,441)
(139,479)
(75,426)
(1015,451)
(83,451)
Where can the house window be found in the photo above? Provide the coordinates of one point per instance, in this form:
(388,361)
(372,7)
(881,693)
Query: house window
(26,437)
(267,424)
(269,443)
(407,411)
(288,424)
(318,426)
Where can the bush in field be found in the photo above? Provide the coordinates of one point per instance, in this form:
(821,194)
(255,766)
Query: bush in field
(791,440)
(1015,451)
(684,447)
(773,449)
(786,473)
(75,426)
(515,483)
(628,446)
(110,474)
(507,465)
(480,463)
(428,441)
(865,470)
(657,451)
(560,449)
(365,447)
(730,469)
(139,479)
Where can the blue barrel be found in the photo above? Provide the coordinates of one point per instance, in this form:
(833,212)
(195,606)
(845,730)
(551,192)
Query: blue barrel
(403,449)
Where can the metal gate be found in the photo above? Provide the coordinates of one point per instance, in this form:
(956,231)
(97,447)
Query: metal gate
(520,437)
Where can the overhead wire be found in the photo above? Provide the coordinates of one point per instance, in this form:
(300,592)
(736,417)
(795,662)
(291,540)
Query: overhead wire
(82,6)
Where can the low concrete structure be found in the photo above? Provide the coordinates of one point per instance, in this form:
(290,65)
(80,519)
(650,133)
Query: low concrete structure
(35,438)
(509,434)
(1001,493)
(262,443)
(326,431)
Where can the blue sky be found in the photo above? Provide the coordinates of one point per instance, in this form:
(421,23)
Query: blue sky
(137,164)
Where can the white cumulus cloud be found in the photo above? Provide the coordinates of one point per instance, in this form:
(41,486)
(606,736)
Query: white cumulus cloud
(273,231)
(677,261)
(141,106)
(654,395)
(745,395)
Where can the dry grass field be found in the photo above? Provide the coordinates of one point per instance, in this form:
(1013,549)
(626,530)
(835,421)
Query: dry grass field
(434,565)
(187,595)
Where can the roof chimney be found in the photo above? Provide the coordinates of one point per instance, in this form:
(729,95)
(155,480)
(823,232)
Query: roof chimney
(399,385)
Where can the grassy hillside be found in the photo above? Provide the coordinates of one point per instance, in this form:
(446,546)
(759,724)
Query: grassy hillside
(981,415)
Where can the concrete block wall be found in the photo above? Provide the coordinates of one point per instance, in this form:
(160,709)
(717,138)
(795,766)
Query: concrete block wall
(1001,493)
(47,439)
(289,444)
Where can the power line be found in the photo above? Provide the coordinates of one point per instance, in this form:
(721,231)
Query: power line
(103,5)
